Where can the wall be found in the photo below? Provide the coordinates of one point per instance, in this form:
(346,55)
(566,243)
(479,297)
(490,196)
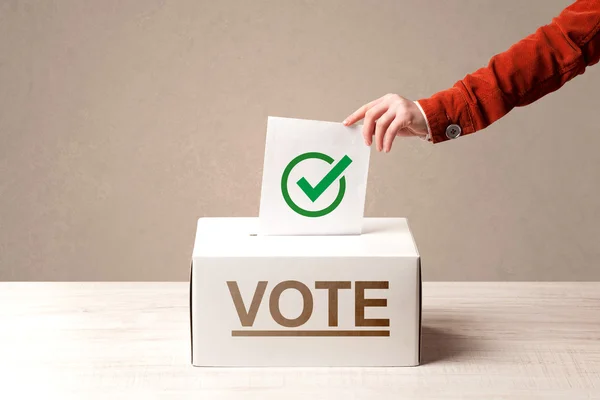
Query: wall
(122,122)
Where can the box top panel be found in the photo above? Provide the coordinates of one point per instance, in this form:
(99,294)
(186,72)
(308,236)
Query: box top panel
(237,237)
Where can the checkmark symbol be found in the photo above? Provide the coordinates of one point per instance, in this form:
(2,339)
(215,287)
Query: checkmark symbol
(314,193)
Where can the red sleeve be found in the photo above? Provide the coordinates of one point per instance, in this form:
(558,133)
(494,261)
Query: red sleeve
(531,68)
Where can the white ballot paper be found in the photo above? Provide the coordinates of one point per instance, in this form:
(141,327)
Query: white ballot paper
(314,178)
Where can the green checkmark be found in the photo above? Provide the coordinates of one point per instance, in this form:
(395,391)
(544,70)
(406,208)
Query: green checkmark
(314,155)
(314,193)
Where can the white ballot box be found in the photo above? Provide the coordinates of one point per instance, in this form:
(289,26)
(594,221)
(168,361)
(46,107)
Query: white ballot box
(349,300)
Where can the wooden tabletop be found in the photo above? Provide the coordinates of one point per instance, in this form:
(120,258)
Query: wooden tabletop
(131,340)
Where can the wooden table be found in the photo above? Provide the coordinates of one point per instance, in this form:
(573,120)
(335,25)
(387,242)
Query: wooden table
(131,340)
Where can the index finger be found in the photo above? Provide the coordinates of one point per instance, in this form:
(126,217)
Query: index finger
(360,113)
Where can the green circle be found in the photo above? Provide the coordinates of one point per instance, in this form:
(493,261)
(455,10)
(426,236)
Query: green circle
(286,194)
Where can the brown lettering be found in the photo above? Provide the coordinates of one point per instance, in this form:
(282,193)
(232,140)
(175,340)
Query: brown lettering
(247,317)
(333,287)
(360,303)
(307,306)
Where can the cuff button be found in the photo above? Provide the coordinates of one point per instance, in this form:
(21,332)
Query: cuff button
(453,131)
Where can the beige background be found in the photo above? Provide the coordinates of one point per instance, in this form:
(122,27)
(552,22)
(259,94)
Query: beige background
(122,122)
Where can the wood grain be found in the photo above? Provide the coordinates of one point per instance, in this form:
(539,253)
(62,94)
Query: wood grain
(131,340)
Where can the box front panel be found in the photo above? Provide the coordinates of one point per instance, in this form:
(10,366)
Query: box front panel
(306,311)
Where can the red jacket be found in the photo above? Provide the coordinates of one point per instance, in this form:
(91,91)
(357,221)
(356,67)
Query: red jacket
(533,67)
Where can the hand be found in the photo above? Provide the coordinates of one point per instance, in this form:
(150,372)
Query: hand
(388,117)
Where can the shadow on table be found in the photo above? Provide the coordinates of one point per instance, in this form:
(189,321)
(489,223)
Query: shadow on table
(447,339)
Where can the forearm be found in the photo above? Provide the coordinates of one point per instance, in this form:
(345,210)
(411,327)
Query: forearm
(530,69)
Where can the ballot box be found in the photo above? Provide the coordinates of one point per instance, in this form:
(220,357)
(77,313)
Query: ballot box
(331,300)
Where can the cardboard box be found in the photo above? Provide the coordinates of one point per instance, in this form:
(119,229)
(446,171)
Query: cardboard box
(351,300)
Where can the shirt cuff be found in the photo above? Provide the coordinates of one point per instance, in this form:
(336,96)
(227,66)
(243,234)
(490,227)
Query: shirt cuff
(428,136)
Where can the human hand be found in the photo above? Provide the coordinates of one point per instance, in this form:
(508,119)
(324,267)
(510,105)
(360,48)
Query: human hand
(387,117)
